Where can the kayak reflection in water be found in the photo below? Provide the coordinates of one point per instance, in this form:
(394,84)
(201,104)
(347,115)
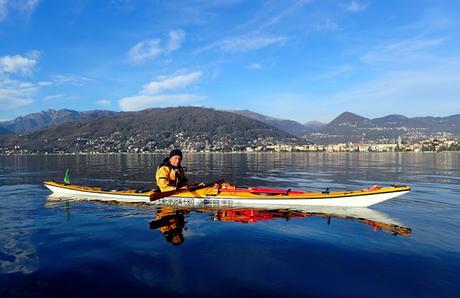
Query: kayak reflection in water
(170,220)
(255,215)
(171,223)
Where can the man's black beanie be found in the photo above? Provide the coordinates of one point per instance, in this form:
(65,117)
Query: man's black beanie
(175,152)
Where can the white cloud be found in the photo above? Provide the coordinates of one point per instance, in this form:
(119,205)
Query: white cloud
(354,6)
(327,25)
(272,13)
(152,48)
(153,92)
(408,85)
(171,82)
(254,66)
(402,51)
(60,79)
(140,102)
(427,91)
(336,72)
(45,83)
(245,43)
(104,102)
(14,94)
(176,39)
(3,9)
(30,5)
(433,21)
(54,97)
(13,99)
(17,93)
(23,6)
(145,50)
(18,63)
(74,79)
(253,35)
(25,87)
(217,2)
(59,96)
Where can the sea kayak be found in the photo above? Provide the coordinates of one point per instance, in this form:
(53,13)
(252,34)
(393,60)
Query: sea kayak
(225,193)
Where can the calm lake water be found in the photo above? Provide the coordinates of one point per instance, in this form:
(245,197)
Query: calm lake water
(406,247)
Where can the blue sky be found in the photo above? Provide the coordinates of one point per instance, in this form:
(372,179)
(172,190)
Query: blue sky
(299,60)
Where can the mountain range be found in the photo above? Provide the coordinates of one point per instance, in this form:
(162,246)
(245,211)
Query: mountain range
(351,127)
(155,129)
(162,128)
(35,121)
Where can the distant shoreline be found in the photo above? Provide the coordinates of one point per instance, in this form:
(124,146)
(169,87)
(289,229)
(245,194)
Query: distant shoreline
(231,152)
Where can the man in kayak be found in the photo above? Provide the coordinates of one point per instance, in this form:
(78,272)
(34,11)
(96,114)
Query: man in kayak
(170,174)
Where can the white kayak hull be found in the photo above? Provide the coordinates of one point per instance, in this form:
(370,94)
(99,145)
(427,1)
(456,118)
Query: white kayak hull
(358,200)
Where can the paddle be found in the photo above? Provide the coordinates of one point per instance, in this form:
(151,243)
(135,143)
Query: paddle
(159,195)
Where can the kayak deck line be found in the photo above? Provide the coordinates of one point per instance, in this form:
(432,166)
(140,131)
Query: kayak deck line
(356,198)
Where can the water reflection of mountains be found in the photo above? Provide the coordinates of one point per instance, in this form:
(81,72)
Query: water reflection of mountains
(170,220)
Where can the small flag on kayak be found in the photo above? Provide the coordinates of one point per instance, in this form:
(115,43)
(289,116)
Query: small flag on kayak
(67,177)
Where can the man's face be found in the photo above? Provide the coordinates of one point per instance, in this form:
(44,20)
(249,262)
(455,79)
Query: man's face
(175,160)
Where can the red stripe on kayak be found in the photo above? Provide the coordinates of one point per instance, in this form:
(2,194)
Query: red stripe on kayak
(265,190)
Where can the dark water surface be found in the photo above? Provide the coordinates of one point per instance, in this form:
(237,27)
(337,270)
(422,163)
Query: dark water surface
(64,248)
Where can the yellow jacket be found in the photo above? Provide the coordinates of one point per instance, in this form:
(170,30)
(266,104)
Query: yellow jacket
(169,177)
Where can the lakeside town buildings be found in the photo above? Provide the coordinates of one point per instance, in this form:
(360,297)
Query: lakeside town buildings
(430,145)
